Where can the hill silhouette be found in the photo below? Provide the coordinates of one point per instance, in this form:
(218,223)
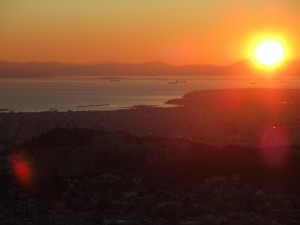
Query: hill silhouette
(43,69)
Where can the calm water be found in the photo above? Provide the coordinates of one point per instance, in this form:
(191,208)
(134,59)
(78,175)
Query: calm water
(66,93)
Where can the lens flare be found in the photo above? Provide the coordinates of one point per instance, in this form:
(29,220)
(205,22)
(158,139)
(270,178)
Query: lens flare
(22,170)
(274,145)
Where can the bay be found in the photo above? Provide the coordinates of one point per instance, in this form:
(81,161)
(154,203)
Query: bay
(64,93)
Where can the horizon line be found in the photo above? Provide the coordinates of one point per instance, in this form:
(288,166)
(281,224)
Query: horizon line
(119,62)
(105,62)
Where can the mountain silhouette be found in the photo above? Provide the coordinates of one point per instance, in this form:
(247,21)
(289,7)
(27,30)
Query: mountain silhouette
(44,69)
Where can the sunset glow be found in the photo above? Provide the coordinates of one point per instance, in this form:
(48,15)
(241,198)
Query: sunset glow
(151,112)
(180,33)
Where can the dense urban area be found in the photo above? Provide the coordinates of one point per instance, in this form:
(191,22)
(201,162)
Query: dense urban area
(218,158)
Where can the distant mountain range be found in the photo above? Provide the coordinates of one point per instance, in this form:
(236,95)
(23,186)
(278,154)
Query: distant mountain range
(43,69)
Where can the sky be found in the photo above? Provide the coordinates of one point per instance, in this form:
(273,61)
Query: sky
(176,32)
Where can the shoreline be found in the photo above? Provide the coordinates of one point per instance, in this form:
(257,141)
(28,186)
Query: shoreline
(216,117)
(170,103)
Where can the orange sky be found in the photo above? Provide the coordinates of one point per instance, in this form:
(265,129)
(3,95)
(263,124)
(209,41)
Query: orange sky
(176,32)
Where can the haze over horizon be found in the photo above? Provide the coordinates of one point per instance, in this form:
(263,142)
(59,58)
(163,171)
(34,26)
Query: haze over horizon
(119,112)
(177,33)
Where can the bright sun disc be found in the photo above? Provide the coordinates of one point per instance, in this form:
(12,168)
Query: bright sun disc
(269,53)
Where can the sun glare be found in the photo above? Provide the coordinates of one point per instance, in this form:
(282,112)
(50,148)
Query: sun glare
(269,53)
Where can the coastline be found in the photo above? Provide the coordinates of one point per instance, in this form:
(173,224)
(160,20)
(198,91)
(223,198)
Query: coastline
(216,117)
(208,151)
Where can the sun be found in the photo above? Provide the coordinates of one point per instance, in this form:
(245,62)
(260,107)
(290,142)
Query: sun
(269,53)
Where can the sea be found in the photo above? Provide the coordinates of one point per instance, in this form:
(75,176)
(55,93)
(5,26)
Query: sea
(63,93)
